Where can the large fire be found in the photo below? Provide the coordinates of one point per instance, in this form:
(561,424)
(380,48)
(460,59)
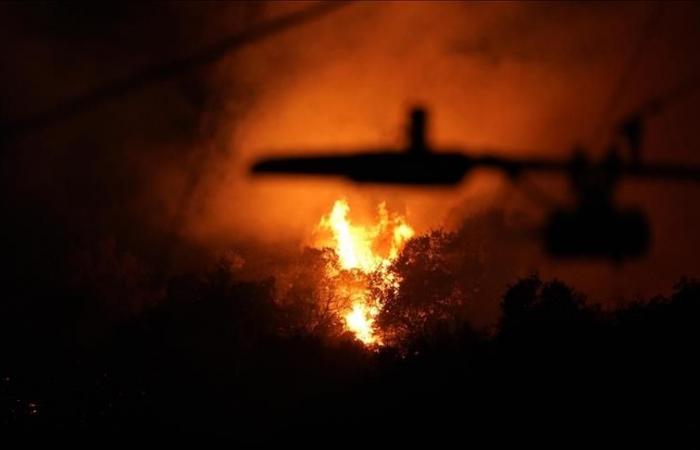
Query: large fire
(364,251)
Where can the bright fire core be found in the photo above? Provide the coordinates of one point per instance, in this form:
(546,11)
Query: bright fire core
(366,251)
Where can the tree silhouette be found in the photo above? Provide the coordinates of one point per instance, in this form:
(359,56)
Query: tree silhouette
(429,295)
(308,294)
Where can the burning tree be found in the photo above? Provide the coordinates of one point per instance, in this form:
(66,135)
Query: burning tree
(382,285)
(361,273)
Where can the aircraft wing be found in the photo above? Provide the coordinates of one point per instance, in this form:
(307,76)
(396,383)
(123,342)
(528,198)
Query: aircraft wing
(375,167)
(447,168)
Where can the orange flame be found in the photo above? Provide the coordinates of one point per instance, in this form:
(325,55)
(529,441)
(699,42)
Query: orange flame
(369,250)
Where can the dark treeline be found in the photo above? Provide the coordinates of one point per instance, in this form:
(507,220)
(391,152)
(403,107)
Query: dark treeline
(218,356)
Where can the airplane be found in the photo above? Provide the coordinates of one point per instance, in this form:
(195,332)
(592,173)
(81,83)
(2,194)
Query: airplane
(415,164)
(593,227)
(419,164)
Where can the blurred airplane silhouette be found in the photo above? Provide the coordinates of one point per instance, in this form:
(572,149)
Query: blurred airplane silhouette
(593,227)
(419,164)
(414,164)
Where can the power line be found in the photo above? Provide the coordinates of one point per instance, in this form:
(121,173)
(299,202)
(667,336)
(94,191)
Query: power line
(626,74)
(168,70)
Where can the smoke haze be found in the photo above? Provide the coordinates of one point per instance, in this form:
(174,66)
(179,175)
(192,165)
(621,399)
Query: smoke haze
(163,172)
